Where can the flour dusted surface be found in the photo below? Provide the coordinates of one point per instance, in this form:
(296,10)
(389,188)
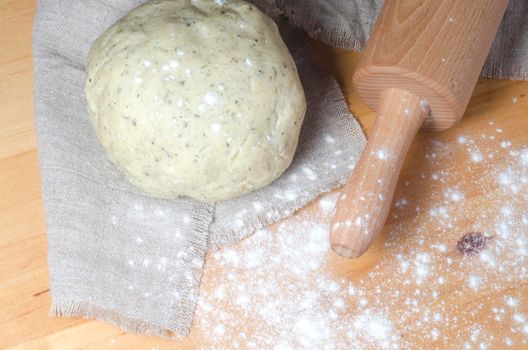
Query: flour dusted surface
(196,98)
(448,280)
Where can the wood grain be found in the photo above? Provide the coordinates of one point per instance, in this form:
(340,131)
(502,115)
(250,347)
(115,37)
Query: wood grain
(24,295)
(434,49)
(366,199)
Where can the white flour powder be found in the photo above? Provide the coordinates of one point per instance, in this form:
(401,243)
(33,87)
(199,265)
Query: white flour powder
(276,290)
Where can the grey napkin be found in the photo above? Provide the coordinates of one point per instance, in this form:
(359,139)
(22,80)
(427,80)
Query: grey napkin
(119,255)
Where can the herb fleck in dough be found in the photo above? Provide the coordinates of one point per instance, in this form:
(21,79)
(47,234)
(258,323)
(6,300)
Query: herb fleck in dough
(196,98)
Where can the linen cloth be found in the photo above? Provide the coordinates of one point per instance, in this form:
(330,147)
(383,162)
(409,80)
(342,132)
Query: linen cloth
(119,255)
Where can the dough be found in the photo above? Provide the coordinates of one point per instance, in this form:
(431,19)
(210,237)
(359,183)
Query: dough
(196,98)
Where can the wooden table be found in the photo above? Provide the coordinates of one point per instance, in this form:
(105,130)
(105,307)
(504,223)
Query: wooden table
(24,286)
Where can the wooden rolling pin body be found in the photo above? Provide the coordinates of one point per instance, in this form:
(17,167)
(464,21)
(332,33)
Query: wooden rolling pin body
(419,69)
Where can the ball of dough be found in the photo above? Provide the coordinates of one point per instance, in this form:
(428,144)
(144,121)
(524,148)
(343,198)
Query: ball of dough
(196,98)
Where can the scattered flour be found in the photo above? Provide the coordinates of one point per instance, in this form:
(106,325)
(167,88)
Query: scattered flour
(454,195)
(309,173)
(329,138)
(277,290)
(328,203)
(476,157)
(382,154)
(286,297)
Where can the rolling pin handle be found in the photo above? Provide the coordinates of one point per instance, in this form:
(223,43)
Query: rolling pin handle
(365,201)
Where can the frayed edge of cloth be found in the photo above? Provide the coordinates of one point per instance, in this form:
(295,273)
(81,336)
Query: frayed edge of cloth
(90,311)
(180,321)
(516,72)
(184,308)
(232,236)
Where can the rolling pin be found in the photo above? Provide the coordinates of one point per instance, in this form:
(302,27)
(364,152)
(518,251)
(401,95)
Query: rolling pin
(419,69)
